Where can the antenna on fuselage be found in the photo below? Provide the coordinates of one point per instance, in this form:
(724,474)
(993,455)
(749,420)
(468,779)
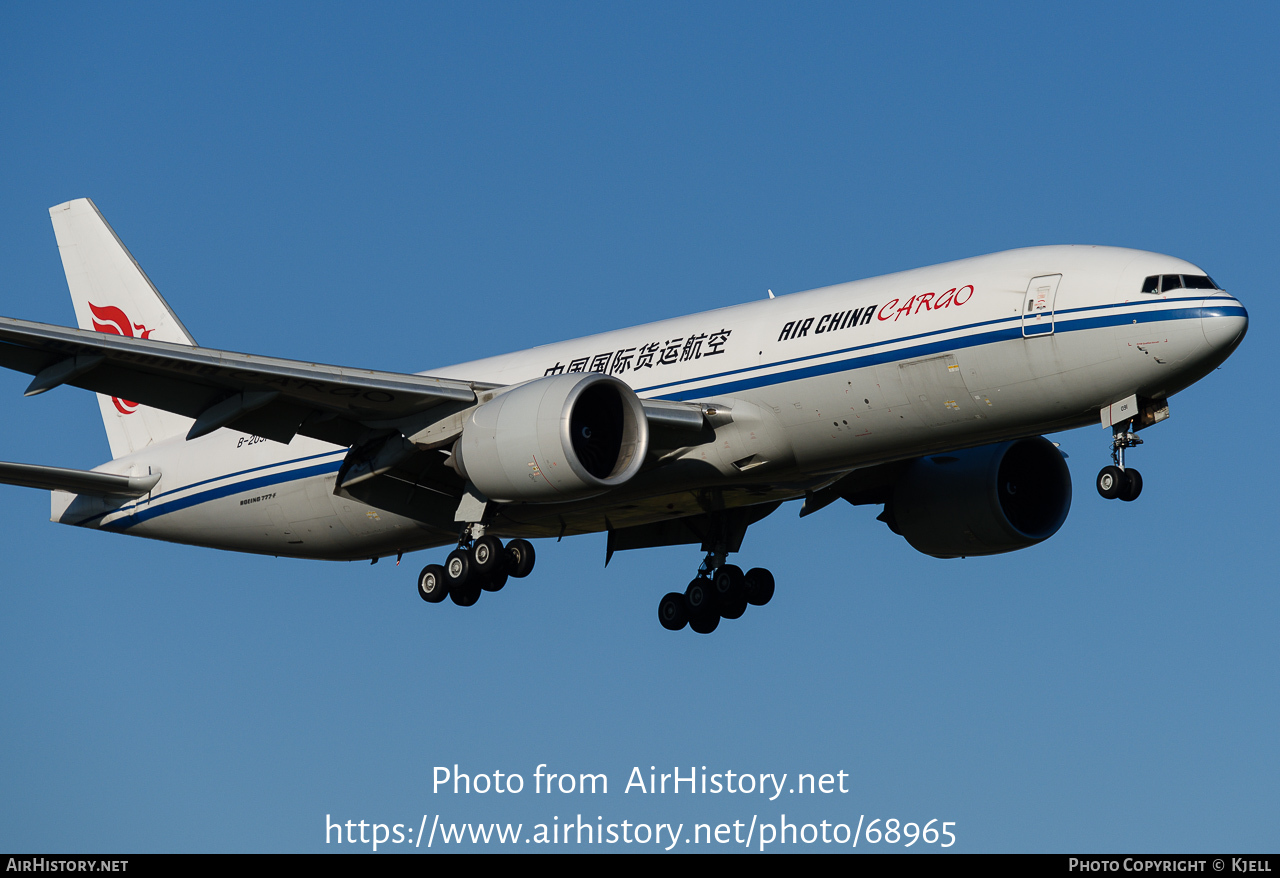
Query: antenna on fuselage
(771,295)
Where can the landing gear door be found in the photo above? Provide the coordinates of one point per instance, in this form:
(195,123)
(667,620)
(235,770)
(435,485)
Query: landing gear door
(1037,308)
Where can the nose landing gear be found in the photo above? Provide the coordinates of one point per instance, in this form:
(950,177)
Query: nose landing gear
(1117,481)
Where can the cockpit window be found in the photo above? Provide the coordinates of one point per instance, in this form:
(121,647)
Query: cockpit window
(1163,283)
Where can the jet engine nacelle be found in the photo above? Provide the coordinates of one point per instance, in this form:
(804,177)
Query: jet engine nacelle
(982,501)
(563,437)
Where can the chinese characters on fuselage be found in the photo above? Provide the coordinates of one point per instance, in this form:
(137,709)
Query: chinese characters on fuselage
(648,356)
(695,347)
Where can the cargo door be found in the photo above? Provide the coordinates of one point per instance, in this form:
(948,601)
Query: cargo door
(937,391)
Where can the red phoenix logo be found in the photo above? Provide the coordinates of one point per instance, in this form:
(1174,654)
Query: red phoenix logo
(112,320)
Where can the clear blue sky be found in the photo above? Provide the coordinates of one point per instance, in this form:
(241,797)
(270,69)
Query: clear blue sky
(407,186)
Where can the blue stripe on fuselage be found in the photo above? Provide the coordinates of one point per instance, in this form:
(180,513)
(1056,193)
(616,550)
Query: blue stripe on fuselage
(1011,331)
(874,344)
(127,521)
(253,469)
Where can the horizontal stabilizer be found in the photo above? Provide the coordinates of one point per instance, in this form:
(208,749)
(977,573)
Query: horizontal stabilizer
(76,481)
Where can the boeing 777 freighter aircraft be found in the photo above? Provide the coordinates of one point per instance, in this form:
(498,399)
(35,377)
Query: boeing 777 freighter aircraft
(926,391)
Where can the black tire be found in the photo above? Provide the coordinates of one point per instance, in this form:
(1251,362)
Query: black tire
(468,593)
(457,569)
(520,558)
(432,587)
(1110,482)
(700,598)
(487,556)
(1132,486)
(494,582)
(672,611)
(759,582)
(705,625)
(731,591)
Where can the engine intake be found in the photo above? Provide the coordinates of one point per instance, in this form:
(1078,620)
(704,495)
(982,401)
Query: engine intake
(562,437)
(982,501)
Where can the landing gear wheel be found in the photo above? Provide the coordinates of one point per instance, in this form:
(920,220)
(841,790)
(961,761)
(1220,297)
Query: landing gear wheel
(701,601)
(672,612)
(468,593)
(457,568)
(520,558)
(1110,482)
(704,625)
(432,587)
(759,586)
(731,591)
(1131,486)
(494,581)
(487,556)
(463,582)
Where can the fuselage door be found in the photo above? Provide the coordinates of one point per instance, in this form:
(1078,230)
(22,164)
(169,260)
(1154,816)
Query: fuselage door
(1037,309)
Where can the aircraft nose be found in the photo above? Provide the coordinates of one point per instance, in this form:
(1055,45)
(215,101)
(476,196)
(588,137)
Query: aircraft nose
(1224,322)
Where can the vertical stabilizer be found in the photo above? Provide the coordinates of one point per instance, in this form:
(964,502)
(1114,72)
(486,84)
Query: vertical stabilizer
(112,294)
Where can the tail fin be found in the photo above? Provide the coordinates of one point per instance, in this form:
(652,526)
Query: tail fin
(112,294)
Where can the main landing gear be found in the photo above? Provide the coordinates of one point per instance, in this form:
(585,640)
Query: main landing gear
(719,591)
(1117,481)
(485,565)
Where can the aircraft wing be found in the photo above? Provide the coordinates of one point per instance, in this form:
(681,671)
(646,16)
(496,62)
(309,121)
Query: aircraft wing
(266,396)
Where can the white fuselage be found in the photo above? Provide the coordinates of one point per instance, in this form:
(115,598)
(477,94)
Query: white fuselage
(818,383)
